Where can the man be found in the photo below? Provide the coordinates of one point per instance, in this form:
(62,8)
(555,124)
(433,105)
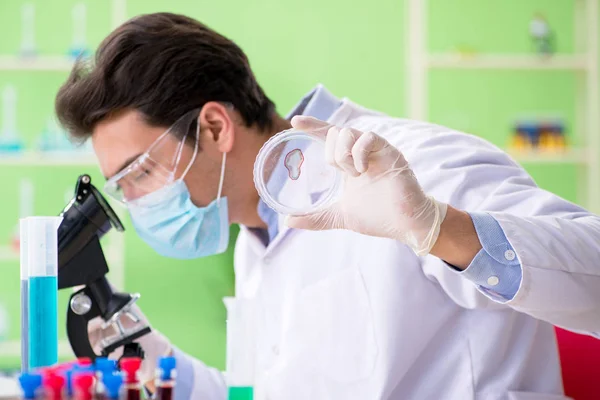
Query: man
(177,118)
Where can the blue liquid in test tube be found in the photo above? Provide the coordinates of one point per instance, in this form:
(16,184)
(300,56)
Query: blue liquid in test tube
(24,296)
(43,328)
(42,256)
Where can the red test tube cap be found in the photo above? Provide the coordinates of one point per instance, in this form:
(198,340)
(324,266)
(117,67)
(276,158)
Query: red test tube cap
(131,366)
(83,383)
(84,361)
(54,385)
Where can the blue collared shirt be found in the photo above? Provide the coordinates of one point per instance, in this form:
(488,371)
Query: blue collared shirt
(496,269)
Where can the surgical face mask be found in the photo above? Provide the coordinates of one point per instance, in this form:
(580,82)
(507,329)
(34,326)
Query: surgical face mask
(166,218)
(174,227)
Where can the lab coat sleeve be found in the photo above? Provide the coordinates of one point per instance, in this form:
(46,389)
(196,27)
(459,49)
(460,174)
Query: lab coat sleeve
(561,268)
(196,381)
(556,242)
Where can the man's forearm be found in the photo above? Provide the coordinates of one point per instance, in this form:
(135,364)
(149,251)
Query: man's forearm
(457,243)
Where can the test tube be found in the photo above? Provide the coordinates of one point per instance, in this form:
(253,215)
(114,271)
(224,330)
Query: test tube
(104,367)
(24,296)
(31,385)
(42,256)
(165,378)
(112,384)
(83,383)
(241,345)
(130,367)
(54,385)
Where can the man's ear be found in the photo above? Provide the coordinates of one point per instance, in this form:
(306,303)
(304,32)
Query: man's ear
(216,122)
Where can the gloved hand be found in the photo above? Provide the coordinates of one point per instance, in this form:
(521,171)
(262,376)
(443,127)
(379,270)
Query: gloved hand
(154,344)
(381,195)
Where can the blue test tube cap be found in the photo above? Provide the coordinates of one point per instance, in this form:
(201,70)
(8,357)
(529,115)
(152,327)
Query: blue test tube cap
(166,365)
(30,383)
(112,385)
(105,365)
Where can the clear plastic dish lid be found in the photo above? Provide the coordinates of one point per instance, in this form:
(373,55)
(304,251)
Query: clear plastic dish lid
(292,176)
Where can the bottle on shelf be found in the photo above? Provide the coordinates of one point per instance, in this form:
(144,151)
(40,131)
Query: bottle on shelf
(54,139)
(79,47)
(28,48)
(542,35)
(540,135)
(10,142)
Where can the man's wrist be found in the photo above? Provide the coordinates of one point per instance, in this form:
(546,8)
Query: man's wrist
(457,243)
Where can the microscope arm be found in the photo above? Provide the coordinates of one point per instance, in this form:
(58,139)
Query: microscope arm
(80,311)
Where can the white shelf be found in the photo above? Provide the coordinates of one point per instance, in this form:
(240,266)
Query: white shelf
(8,254)
(33,158)
(569,156)
(39,63)
(515,62)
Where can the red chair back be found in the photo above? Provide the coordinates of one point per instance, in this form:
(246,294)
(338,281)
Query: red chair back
(580,362)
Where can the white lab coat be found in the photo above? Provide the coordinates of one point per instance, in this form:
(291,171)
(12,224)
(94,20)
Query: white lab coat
(350,317)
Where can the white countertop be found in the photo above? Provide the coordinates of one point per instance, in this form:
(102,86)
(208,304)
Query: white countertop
(9,388)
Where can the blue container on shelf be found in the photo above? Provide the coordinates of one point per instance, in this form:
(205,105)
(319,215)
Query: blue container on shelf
(11,143)
(530,131)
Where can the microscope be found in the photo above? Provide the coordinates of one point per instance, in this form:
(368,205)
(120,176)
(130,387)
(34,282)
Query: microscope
(81,264)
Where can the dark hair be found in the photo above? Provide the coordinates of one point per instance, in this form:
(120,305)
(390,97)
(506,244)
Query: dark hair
(162,65)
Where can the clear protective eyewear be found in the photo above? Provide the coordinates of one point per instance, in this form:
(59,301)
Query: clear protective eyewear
(158,166)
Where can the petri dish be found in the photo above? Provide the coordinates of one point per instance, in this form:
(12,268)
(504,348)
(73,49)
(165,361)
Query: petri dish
(292,176)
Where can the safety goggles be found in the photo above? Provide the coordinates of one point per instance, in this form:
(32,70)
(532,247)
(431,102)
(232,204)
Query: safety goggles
(159,165)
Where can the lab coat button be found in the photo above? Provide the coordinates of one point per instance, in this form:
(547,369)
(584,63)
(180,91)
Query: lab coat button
(509,255)
(493,280)
(275,350)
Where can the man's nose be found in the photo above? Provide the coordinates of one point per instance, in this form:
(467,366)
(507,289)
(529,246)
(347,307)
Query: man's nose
(131,191)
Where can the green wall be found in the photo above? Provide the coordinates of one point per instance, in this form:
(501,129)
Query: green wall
(356,50)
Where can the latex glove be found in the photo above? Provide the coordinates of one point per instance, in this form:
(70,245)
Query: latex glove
(381,195)
(154,344)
